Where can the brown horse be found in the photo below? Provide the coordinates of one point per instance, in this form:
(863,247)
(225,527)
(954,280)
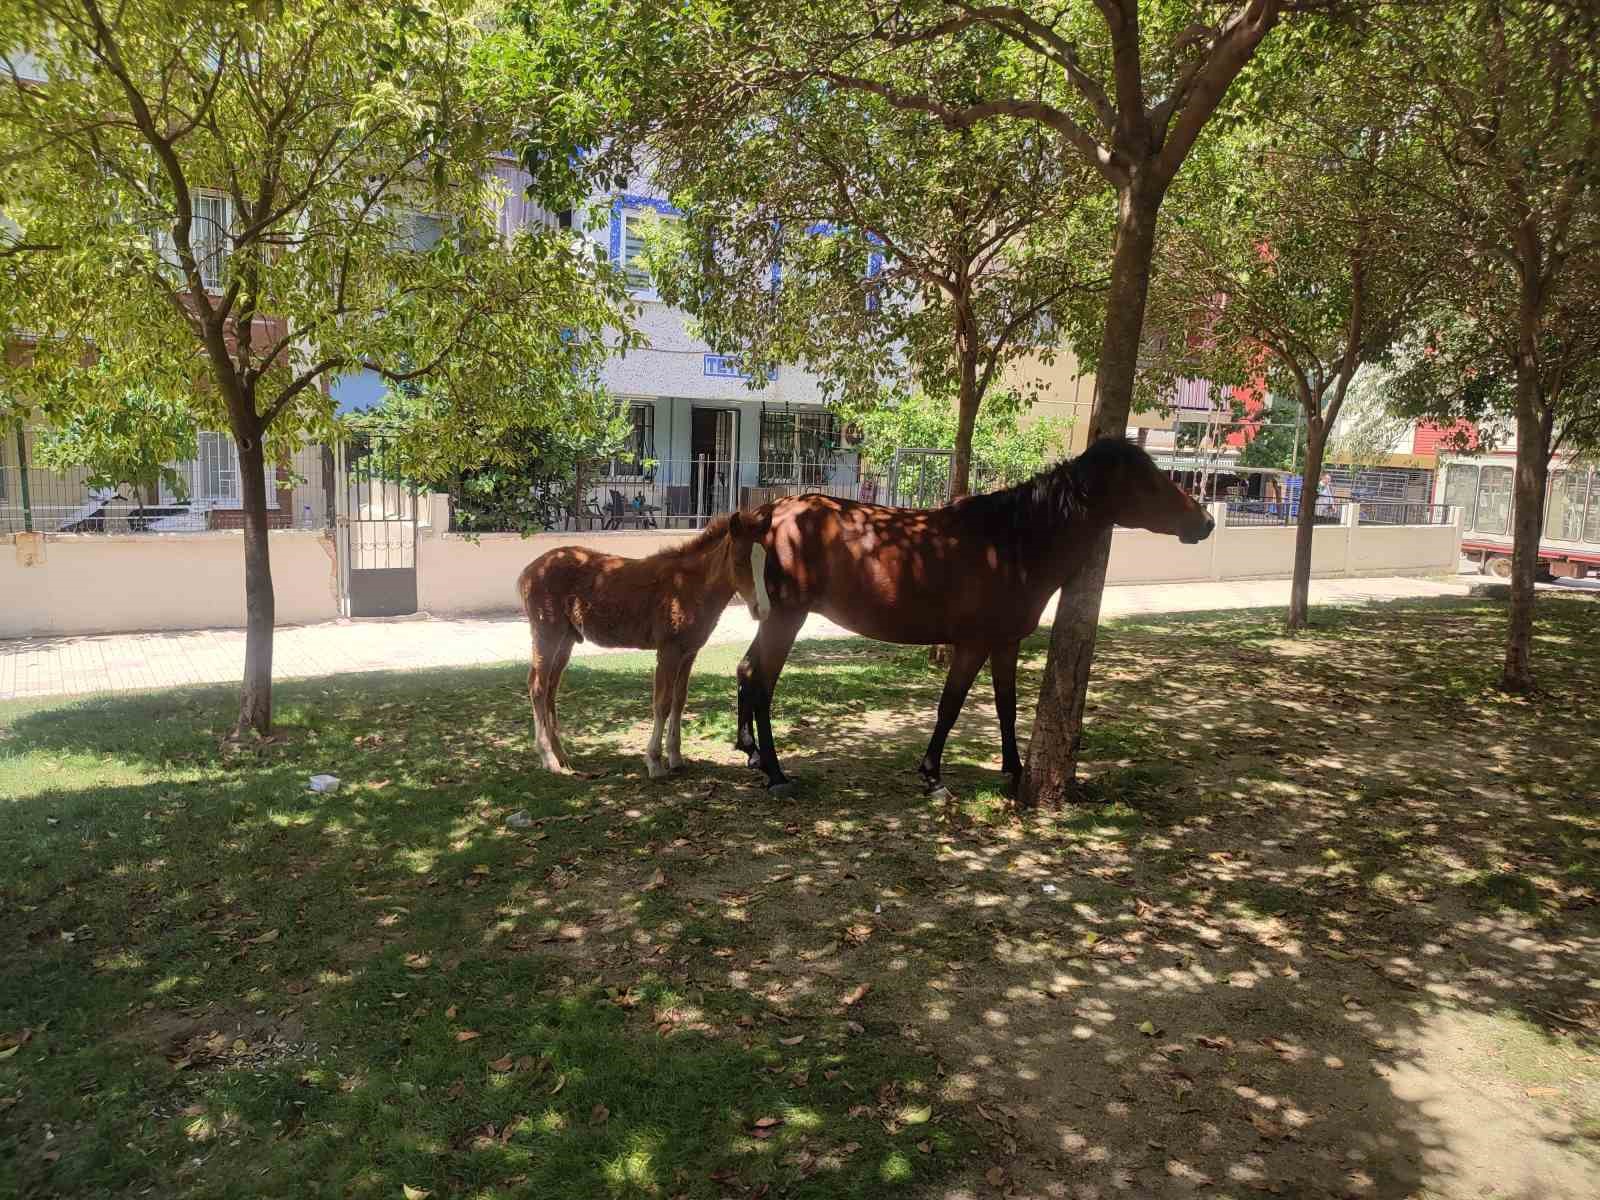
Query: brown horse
(975,575)
(668,602)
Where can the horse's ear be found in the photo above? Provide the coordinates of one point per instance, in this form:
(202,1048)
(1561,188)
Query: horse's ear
(737,524)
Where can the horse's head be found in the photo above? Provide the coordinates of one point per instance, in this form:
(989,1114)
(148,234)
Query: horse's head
(1138,494)
(747,558)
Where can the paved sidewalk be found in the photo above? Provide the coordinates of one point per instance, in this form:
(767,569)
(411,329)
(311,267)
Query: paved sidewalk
(61,666)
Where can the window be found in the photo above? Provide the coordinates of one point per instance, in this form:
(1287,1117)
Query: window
(208,237)
(1461,490)
(216,475)
(426,230)
(1591,522)
(1563,515)
(631,461)
(1494,500)
(635,226)
(797,445)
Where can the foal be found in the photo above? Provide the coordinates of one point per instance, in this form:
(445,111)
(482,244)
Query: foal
(668,602)
(974,575)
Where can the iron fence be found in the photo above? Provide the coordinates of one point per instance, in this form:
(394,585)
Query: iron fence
(1247,513)
(1401,512)
(204,496)
(659,494)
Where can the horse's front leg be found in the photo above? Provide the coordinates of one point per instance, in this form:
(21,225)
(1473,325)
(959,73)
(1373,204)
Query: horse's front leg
(680,695)
(1003,666)
(668,660)
(758,677)
(745,739)
(965,662)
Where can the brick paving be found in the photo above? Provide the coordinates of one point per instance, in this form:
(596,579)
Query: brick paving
(60,666)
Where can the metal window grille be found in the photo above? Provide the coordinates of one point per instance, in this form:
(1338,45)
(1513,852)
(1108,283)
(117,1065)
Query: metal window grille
(209,237)
(630,463)
(797,445)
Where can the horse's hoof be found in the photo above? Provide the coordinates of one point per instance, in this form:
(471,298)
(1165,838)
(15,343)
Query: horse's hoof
(675,762)
(754,761)
(653,765)
(781,791)
(940,794)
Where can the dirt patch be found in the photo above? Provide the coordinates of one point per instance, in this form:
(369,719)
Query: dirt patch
(219,1038)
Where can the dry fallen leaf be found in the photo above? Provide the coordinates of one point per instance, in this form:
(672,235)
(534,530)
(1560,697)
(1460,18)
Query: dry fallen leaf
(792,1041)
(1211,1043)
(502,1064)
(599,1115)
(270,935)
(561,1082)
(1148,1028)
(1542,1091)
(995,1175)
(467,1035)
(414,1193)
(7,1053)
(1266,1128)
(917,1116)
(855,995)
(417,962)
(925,1147)
(657,881)
(449,1013)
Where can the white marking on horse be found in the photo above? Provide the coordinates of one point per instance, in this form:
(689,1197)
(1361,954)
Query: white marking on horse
(762,608)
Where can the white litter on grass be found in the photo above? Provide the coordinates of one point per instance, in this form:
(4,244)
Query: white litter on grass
(519,819)
(877,908)
(324,783)
(1050,889)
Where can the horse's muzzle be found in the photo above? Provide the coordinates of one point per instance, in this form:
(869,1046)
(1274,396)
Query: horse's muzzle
(1197,531)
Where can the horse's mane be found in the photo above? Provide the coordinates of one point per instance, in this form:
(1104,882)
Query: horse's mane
(716,529)
(1056,495)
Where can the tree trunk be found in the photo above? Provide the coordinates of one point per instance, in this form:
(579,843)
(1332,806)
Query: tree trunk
(1050,771)
(1305,527)
(1527,516)
(255,700)
(967,401)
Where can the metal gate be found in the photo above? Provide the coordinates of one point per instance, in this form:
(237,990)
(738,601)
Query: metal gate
(920,478)
(377,529)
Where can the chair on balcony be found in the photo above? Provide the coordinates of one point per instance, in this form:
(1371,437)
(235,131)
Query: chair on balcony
(636,513)
(583,515)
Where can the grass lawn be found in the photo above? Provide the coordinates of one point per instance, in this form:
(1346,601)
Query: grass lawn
(1330,929)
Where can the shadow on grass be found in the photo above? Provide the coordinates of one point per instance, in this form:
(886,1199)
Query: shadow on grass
(1321,860)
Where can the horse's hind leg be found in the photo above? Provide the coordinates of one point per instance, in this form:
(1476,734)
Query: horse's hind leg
(680,694)
(544,675)
(758,677)
(668,660)
(556,670)
(965,663)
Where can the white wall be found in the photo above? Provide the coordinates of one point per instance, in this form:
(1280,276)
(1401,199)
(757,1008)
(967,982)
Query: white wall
(456,576)
(90,583)
(97,584)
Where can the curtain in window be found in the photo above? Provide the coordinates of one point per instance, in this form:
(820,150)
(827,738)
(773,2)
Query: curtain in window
(1563,517)
(1461,490)
(1494,500)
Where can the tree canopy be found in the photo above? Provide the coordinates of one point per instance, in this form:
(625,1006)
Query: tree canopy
(234,204)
